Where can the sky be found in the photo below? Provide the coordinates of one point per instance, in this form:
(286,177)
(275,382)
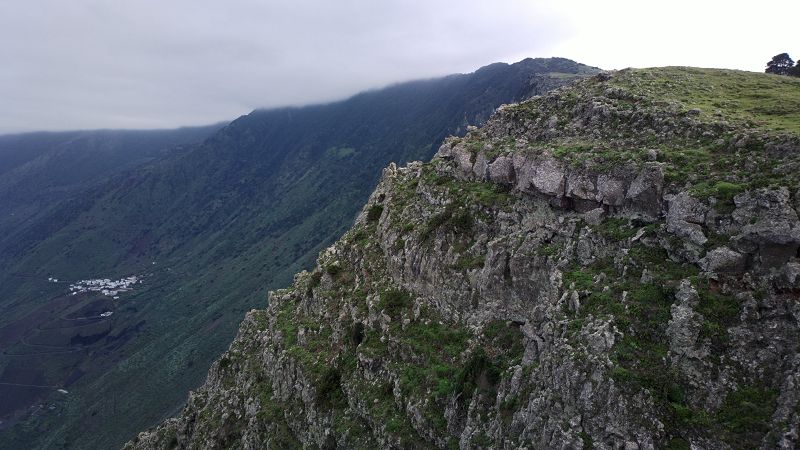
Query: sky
(87,64)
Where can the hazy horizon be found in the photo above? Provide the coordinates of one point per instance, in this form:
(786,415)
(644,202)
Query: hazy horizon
(88,65)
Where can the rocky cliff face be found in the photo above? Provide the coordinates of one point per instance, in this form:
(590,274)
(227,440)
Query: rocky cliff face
(606,266)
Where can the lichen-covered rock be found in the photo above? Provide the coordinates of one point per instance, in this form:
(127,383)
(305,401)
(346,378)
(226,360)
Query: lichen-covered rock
(610,190)
(645,191)
(685,218)
(685,325)
(775,235)
(501,171)
(723,259)
(545,176)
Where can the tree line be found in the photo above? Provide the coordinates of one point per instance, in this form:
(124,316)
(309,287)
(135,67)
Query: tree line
(782,64)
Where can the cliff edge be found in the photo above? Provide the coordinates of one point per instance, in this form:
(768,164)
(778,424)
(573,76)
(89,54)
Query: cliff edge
(614,264)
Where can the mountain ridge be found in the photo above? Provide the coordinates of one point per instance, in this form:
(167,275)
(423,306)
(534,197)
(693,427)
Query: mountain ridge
(208,229)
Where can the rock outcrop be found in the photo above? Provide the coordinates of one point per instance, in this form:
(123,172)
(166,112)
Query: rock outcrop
(579,273)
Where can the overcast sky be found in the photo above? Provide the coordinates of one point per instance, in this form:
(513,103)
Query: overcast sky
(77,64)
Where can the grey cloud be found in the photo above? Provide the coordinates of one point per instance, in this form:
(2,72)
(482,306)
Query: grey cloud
(145,64)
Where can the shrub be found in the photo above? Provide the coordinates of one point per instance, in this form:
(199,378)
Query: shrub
(330,388)
(374,213)
(394,301)
(479,372)
(333,269)
(748,410)
(462,221)
(356,333)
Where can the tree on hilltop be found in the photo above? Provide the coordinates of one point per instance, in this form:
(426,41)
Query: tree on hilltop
(781,64)
(795,71)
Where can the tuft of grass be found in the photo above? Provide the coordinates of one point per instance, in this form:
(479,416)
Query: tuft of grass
(722,191)
(467,262)
(453,219)
(550,249)
(616,229)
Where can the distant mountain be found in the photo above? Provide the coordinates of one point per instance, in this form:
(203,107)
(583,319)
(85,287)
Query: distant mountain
(42,172)
(209,229)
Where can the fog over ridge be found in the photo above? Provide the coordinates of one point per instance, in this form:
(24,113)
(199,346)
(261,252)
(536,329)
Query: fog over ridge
(147,64)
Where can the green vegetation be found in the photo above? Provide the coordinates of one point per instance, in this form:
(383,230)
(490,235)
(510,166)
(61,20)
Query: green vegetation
(467,193)
(394,302)
(720,162)
(467,262)
(572,152)
(436,348)
(461,215)
(452,219)
(616,229)
(340,152)
(782,64)
(588,442)
(386,414)
(549,249)
(746,413)
(722,191)
(641,355)
(329,392)
(271,412)
(719,311)
(506,337)
(478,373)
(482,440)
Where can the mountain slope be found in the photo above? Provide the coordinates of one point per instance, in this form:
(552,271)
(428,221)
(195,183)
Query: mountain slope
(605,266)
(209,230)
(40,172)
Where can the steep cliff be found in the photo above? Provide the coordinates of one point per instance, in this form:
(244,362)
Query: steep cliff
(611,265)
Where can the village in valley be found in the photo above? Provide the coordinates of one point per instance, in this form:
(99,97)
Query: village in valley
(105,286)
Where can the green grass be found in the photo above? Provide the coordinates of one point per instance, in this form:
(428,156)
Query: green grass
(329,391)
(479,372)
(640,355)
(466,193)
(453,219)
(770,102)
(719,311)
